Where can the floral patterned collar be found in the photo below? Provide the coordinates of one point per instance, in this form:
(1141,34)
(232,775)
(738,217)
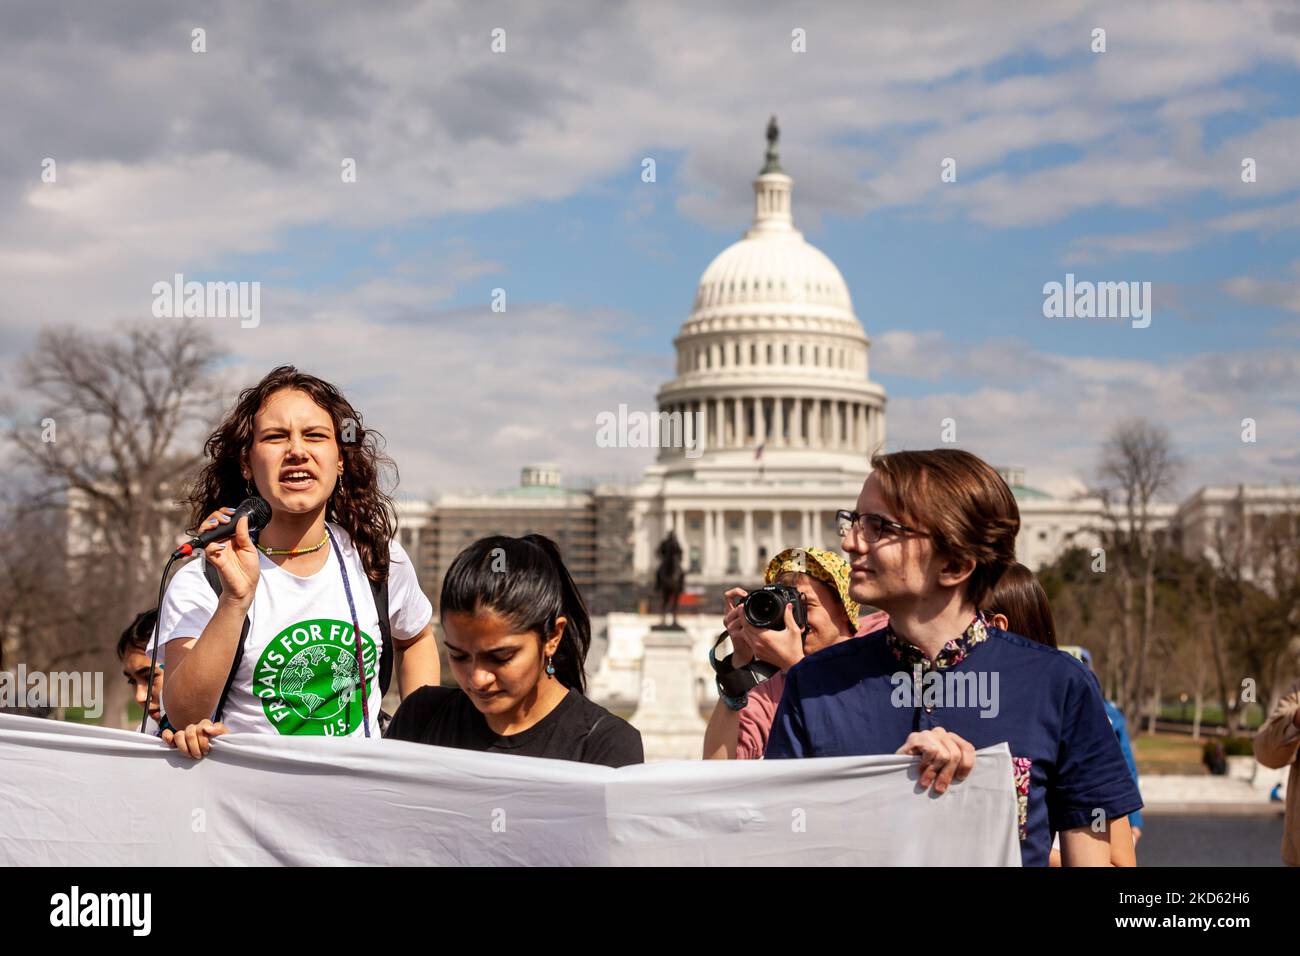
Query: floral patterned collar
(952,653)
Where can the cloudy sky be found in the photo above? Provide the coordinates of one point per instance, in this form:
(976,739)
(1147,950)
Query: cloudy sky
(521,170)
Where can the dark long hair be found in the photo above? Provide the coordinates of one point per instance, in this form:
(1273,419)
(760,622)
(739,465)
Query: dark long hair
(1022,601)
(525,581)
(358,504)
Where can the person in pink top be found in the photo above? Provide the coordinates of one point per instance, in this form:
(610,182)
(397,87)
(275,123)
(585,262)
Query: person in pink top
(738,728)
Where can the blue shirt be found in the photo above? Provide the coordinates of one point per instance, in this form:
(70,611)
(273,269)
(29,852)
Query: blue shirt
(858,698)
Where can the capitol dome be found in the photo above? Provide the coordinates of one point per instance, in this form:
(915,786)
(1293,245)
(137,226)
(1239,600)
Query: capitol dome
(772,354)
(766,269)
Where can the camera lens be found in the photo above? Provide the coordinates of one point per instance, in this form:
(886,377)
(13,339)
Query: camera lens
(763,609)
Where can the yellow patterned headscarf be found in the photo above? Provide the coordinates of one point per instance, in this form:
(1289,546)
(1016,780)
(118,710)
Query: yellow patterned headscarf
(823,565)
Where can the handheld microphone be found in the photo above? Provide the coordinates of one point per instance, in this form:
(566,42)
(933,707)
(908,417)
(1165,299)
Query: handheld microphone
(255,509)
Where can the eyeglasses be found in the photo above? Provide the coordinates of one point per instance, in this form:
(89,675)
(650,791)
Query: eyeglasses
(870,526)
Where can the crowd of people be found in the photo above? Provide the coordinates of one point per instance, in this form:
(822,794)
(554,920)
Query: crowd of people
(925,637)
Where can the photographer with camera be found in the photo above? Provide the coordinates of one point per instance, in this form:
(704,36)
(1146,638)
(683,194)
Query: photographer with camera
(804,607)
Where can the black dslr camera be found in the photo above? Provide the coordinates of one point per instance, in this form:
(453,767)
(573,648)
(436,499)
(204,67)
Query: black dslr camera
(765,608)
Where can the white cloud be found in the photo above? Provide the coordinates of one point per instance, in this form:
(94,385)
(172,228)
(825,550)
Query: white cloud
(1265,292)
(171,162)
(1049,413)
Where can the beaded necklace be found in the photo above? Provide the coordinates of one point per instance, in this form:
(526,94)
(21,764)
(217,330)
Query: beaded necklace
(295,551)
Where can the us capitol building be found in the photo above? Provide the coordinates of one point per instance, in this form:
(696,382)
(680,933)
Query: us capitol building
(776,361)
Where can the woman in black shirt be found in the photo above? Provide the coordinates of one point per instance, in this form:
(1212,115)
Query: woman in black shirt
(516,632)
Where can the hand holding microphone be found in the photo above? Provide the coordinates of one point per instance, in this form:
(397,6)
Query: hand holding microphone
(236,560)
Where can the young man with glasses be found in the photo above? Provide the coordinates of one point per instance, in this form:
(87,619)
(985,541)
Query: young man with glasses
(930,536)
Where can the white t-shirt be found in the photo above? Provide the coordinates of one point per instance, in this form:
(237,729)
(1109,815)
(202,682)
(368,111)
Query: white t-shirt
(298,672)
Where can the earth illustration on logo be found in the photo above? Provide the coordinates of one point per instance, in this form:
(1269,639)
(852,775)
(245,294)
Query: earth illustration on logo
(307,678)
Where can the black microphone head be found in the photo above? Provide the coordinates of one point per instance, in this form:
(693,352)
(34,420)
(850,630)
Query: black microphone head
(257,510)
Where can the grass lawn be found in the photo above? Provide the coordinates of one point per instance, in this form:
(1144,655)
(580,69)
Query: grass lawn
(1252,715)
(1168,753)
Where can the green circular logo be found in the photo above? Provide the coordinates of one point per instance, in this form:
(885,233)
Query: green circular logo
(307,678)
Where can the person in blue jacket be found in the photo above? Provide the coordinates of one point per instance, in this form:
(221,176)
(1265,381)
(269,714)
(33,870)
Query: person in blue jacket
(1120,726)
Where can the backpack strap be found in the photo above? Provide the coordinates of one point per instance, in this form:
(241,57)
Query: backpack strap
(380,591)
(214,581)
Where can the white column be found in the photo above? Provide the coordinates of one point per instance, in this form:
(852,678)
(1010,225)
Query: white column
(760,421)
(706,542)
(719,548)
(747,550)
(640,541)
(722,541)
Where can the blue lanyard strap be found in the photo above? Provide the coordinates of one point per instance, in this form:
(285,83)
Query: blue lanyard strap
(356,633)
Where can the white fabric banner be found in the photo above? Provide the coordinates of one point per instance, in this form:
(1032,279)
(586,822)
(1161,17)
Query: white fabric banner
(72,795)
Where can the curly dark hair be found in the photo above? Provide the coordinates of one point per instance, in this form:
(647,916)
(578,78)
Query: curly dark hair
(358,504)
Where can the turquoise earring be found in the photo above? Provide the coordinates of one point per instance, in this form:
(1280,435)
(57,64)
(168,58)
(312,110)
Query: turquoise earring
(550,667)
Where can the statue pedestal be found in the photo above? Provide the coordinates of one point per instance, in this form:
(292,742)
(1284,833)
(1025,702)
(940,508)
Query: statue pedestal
(667,714)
